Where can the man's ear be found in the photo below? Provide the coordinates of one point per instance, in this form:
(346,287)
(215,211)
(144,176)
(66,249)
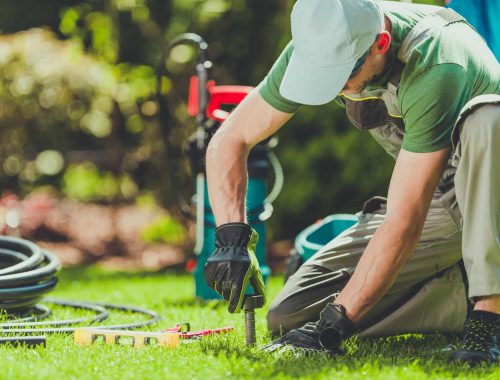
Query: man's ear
(383,42)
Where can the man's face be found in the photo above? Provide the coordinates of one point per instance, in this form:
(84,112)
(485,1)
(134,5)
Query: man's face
(374,65)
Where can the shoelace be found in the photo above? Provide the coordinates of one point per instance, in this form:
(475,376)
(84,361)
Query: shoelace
(477,335)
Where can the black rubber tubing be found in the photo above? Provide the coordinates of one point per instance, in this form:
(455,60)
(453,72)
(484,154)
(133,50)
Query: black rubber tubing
(27,273)
(9,328)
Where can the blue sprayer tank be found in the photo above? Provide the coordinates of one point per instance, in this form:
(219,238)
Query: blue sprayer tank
(258,170)
(315,237)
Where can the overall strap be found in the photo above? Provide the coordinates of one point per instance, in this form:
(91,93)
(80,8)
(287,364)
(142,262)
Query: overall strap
(424,28)
(371,109)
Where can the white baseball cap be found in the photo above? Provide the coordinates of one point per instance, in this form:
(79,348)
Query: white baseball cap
(329,36)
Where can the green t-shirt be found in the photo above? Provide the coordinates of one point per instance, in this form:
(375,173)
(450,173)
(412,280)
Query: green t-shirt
(442,74)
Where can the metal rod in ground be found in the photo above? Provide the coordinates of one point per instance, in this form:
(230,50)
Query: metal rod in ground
(250,326)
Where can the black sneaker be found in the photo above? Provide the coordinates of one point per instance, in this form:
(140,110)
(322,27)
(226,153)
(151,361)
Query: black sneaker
(481,339)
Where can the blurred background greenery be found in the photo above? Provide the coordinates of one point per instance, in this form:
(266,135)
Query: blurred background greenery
(78,113)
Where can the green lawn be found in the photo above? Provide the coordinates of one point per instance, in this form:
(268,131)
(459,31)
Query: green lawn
(221,357)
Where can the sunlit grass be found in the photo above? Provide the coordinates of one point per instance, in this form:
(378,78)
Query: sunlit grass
(221,357)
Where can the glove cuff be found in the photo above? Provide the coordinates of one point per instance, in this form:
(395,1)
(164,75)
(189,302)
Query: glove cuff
(335,327)
(235,234)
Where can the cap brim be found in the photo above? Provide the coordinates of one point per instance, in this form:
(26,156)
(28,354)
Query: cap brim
(312,85)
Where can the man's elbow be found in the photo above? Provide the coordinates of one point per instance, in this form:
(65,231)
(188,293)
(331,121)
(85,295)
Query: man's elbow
(223,142)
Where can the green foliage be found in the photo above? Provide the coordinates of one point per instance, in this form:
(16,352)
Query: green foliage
(61,106)
(85,182)
(165,229)
(51,91)
(82,23)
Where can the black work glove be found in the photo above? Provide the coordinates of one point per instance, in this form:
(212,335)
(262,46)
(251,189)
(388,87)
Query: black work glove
(233,264)
(325,335)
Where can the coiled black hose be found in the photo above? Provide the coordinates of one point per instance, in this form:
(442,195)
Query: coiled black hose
(27,273)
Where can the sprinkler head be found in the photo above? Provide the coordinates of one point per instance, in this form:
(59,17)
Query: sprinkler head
(253,302)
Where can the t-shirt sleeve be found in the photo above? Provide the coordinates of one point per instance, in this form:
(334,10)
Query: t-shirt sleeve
(269,88)
(431,104)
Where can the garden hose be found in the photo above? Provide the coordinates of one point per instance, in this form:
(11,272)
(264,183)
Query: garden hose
(27,273)
(102,313)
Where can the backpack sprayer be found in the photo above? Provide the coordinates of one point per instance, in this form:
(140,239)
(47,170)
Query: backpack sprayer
(210,105)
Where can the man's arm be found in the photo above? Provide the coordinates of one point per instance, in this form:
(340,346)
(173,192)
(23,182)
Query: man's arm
(251,122)
(413,183)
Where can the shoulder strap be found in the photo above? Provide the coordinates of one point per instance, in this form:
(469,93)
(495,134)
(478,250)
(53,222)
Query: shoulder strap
(414,37)
(426,27)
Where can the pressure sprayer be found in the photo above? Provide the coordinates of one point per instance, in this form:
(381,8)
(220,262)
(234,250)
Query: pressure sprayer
(211,105)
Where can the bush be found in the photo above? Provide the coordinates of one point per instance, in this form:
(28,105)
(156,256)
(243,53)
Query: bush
(62,106)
